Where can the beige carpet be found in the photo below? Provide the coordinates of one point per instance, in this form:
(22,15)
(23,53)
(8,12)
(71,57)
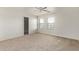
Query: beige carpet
(39,42)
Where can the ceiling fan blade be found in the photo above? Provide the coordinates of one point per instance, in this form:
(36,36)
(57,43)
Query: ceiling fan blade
(41,8)
(44,8)
(47,11)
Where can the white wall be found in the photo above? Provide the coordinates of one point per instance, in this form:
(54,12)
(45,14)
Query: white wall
(33,25)
(66,23)
(12,22)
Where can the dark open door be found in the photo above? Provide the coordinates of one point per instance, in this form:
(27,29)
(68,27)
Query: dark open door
(26,25)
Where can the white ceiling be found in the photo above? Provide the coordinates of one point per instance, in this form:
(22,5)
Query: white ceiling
(34,11)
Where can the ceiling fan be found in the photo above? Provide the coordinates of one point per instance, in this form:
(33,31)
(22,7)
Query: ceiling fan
(42,9)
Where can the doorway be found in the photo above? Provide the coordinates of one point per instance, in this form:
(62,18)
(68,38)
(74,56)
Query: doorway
(26,25)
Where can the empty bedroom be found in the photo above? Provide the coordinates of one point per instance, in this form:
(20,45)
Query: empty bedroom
(39,29)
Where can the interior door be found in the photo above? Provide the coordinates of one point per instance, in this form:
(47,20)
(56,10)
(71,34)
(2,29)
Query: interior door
(26,25)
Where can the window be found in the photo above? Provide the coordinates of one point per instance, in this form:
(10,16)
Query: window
(42,23)
(51,21)
(47,23)
(41,20)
